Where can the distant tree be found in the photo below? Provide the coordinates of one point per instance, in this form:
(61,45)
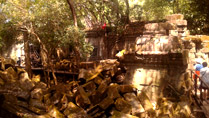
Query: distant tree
(45,22)
(196,12)
(115,13)
(198,16)
(156,9)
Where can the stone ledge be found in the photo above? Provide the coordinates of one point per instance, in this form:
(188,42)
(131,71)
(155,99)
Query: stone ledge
(175,17)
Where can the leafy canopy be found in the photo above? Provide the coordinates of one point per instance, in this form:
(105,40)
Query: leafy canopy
(49,19)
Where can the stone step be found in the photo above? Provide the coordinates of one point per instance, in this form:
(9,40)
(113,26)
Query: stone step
(178,22)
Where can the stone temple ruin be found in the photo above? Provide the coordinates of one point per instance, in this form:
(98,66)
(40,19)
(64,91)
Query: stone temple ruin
(159,56)
(155,82)
(152,51)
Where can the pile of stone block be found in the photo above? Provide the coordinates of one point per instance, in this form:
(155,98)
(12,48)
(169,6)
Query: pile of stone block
(97,93)
(104,95)
(163,37)
(66,65)
(180,23)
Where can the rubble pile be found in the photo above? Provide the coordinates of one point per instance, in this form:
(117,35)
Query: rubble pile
(66,65)
(91,96)
(98,93)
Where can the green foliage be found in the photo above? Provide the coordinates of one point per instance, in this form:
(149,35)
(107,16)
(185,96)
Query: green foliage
(75,37)
(55,28)
(198,16)
(196,12)
(111,12)
(8,34)
(136,13)
(51,20)
(156,9)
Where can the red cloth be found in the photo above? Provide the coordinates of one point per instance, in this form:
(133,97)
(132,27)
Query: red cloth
(197,72)
(104,26)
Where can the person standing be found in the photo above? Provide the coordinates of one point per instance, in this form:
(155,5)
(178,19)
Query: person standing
(19,61)
(204,75)
(197,67)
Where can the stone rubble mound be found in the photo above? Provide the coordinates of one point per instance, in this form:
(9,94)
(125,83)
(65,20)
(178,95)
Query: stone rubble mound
(66,65)
(97,93)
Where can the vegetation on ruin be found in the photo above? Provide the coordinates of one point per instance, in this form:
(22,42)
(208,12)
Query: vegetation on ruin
(58,28)
(51,20)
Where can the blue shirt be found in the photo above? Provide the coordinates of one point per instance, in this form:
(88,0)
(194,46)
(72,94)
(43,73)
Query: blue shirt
(198,67)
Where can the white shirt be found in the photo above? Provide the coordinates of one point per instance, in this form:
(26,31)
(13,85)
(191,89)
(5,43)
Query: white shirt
(204,74)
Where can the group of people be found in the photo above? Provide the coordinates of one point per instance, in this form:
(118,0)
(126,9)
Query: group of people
(202,70)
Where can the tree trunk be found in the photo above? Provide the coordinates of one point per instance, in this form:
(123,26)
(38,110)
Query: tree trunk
(71,5)
(45,61)
(174,2)
(77,53)
(177,7)
(76,50)
(43,54)
(117,9)
(27,55)
(127,11)
(51,67)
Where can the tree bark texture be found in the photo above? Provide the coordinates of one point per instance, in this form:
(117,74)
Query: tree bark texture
(46,62)
(76,50)
(71,5)
(27,55)
(77,53)
(127,11)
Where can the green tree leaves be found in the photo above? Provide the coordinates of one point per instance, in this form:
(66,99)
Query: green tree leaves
(48,19)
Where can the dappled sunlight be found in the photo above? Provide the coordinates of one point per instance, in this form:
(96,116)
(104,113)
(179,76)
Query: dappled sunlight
(147,78)
(17,50)
(137,79)
(144,78)
(54,112)
(154,105)
(187,109)
(120,54)
(36,78)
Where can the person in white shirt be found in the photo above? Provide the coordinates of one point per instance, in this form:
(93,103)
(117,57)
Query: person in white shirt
(204,74)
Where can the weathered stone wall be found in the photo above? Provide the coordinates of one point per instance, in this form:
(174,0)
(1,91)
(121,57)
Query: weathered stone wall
(112,43)
(97,43)
(96,38)
(152,37)
(197,46)
(163,37)
(156,57)
(145,79)
(132,31)
(159,58)
(150,55)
